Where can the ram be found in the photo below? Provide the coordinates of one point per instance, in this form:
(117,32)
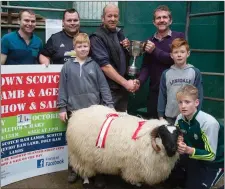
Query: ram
(141,151)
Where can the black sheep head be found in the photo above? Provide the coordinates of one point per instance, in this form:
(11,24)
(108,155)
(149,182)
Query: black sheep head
(169,135)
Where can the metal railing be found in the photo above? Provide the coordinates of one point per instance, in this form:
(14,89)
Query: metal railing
(31,8)
(207,50)
(212,73)
(17,26)
(214,99)
(207,14)
(88,11)
(188,16)
(91,10)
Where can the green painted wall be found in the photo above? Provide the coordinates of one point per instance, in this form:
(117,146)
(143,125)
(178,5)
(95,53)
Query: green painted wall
(136,19)
(208,33)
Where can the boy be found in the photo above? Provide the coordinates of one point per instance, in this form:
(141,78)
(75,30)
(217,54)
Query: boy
(82,84)
(175,77)
(202,144)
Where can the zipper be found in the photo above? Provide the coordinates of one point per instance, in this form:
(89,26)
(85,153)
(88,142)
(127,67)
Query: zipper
(81,69)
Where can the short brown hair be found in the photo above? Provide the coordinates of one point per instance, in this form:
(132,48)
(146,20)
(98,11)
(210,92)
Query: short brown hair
(178,42)
(81,38)
(70,11)
(162,8)
(188,90)
(26,10)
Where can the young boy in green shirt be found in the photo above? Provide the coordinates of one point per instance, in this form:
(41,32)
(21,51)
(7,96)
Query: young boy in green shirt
(202,146)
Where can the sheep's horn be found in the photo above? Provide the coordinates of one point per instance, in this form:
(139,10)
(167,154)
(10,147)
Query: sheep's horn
(153,137)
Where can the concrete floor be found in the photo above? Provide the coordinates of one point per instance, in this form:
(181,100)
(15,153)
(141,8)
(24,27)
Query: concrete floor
(58,180)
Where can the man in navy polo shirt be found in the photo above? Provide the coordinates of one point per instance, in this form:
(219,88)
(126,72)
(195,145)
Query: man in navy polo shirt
(157,57)
(59,47)
(22,46)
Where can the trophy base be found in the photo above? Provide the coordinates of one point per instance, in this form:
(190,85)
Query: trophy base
(133,71)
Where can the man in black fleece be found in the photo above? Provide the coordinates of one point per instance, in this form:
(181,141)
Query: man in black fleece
(108,49)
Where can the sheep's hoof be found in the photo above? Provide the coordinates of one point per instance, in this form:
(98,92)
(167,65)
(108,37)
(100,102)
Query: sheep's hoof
(138,184)
(72,177)
(88,186)
(100,181)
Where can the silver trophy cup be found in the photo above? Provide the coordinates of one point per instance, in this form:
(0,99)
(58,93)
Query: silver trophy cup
(136,49)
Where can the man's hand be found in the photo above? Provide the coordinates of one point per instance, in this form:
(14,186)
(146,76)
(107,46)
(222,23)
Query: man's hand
(150,46)
(133,85)
(180,139)
(44,60)
(125,43)
(3,58)
(136,84)
(184,149)
(130,85)
(63,116)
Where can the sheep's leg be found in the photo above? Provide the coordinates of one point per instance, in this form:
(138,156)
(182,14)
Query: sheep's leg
(138,184)
(131,177)
(86,183)
(86,180)
(82,168)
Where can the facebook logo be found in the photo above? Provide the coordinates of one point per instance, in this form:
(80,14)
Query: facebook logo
(40,163)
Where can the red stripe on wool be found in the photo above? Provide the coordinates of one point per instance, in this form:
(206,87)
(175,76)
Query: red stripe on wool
(140,124)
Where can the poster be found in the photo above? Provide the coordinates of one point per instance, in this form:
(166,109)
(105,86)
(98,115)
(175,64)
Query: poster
(32,136)
(52,26)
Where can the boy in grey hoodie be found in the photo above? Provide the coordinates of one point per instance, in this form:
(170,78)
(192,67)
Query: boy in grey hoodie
(176,77)
(82,84)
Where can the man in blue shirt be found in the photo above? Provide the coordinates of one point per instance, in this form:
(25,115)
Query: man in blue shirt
(22,46)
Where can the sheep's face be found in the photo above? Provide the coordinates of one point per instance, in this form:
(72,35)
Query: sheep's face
(169,135)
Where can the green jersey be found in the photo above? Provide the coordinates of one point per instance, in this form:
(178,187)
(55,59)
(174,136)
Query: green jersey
(206,136)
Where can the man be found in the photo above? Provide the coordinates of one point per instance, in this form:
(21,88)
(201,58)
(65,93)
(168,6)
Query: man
(108,49)
(59,47)
(22,46)
(157,57)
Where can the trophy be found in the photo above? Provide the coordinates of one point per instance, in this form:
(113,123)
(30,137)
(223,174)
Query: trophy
(136,49)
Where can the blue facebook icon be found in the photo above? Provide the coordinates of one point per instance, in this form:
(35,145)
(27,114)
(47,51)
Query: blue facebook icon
(40,163)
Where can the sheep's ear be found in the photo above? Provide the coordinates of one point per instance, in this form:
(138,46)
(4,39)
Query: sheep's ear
(170,127)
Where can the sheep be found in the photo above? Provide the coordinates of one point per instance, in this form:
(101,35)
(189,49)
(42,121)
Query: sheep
(145,159)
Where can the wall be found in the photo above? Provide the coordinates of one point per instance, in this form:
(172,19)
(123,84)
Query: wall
(208,33)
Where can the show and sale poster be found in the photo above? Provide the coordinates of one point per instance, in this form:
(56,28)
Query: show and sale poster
(33,138)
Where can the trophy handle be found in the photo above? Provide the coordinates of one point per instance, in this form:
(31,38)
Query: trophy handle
(143,46)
